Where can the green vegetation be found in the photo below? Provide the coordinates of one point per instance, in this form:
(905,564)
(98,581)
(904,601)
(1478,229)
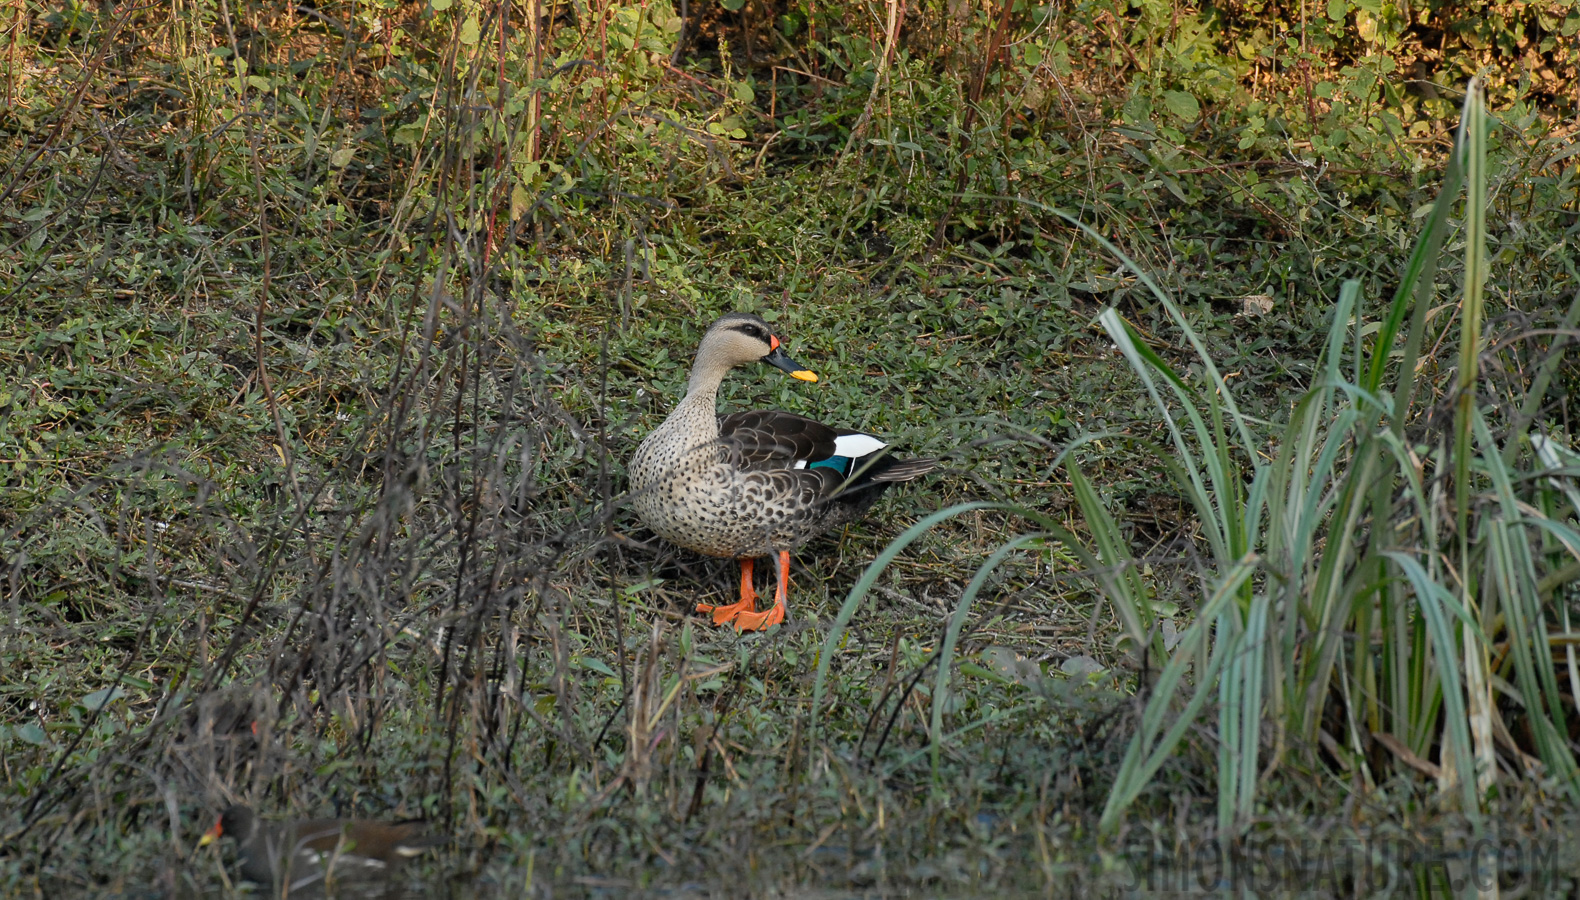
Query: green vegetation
(327,331)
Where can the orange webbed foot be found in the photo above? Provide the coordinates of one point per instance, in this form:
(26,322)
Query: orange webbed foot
(746,606)
(725,614)
(759,621)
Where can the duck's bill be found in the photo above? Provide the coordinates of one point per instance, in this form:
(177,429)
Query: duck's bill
(778,358)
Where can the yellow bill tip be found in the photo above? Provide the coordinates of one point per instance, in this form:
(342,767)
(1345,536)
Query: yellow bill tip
(211,835)
(805,375)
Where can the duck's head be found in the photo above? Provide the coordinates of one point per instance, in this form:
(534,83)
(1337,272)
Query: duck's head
(737,339)
(235,822)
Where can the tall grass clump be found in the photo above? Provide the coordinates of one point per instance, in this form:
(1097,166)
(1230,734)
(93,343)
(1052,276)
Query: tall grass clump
(1384,576)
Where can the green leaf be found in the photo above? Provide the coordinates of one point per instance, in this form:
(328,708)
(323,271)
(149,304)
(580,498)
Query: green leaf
(520,201)
(743,92)
(102,698)
(408,135)
(732,5)
(597,665)
(1182,104)
(341,157)
(1174,187)
(442,5)
(470,31)
(1366,26)
(32,733)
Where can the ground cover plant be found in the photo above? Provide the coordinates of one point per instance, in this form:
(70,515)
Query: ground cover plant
(328,331)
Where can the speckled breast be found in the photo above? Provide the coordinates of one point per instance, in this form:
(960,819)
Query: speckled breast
(695,499)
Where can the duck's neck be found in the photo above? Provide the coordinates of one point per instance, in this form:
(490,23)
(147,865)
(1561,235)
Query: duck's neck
(706,376)
(697,413)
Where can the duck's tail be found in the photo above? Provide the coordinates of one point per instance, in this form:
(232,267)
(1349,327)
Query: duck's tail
(888,470)
(871,474)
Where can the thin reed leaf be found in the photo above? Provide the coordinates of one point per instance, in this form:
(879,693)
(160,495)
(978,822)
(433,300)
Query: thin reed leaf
(1147,750)
(858,592)
(946,651)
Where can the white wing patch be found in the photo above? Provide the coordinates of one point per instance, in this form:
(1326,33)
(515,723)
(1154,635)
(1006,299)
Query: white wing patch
(799,464)
(855,446)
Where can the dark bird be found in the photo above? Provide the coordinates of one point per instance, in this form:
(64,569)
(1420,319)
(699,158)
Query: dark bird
(298,854)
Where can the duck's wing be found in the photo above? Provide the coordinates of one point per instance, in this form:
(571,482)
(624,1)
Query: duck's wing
(779,451)
(808,462)
(769,439)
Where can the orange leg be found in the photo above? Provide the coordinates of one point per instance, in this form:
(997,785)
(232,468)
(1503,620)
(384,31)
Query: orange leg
(747,605)
(757,621)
